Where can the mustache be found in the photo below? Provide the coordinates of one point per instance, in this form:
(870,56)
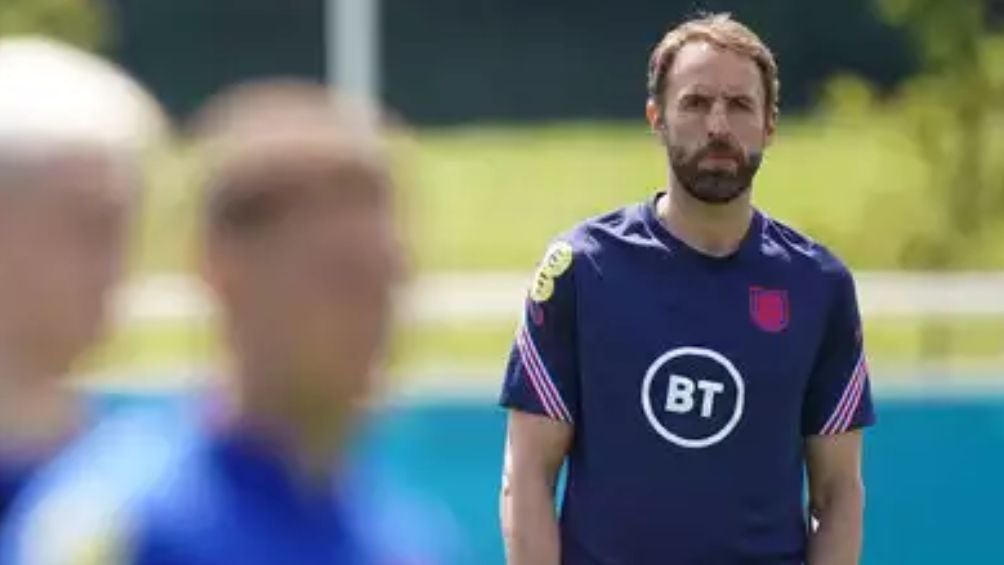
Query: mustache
(720,147)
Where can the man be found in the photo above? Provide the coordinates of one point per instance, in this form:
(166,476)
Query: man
(73,130)
(302,254)
(689,355)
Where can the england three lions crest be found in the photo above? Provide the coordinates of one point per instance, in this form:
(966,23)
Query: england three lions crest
(769,308)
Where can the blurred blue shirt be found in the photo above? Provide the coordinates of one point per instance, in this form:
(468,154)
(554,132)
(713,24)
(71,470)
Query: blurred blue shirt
(13,476)
(16,470)
(167,488)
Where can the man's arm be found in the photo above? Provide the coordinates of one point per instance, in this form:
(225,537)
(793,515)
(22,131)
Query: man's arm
(836,498)
(535,449)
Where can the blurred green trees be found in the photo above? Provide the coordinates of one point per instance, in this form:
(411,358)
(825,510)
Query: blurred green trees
(951,107)
(79,22)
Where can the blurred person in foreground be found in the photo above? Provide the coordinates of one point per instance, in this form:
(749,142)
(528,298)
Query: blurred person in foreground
(302,254)
(689,355)
(73,130)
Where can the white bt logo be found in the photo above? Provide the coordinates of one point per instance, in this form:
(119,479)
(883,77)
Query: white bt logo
(680,395)
(693,397)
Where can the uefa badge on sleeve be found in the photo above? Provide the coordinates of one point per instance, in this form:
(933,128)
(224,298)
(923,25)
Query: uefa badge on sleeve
(556,261)
(769,309)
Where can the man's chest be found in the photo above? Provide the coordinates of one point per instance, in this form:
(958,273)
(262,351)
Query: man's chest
(697,356)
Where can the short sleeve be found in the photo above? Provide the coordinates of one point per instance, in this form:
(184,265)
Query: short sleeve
(838,396)
(541,375)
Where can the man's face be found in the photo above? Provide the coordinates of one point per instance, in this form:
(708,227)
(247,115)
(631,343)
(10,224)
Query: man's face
(62,233)
(317,287)
(714,123)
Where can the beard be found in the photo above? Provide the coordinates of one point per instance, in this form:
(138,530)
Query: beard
(714,186)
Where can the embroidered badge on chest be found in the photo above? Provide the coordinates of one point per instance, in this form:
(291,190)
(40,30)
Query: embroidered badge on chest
(769,309)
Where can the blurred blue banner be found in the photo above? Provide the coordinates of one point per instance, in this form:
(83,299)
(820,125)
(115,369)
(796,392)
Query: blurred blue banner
(933,466)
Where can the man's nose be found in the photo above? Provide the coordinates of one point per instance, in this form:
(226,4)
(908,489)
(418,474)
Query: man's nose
(718,121)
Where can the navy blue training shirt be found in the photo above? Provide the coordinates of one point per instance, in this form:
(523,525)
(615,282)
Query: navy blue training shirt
(691,383)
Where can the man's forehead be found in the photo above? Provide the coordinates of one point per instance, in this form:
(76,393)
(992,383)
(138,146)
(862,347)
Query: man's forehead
(68,175)
(702,66)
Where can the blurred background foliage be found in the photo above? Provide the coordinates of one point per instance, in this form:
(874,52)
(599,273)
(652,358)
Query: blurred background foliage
(81,22)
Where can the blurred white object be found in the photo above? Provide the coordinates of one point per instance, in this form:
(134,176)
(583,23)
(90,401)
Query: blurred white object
(497,297)
(891,294)
(53,93)
(353,47)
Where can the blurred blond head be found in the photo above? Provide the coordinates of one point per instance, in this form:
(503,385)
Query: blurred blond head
(73,131)
(301,246)
(54,95)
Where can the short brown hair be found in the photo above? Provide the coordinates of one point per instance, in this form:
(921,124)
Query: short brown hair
(268,143)
(722,31)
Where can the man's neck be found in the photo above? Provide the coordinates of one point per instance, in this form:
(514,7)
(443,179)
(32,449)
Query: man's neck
(311,441)
(716,230)
(37,413)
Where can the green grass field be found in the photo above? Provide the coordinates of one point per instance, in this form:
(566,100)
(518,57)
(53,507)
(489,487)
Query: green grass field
(491,197)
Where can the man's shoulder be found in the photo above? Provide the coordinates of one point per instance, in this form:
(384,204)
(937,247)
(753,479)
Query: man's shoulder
(783,242)
(600,232)
(13,476)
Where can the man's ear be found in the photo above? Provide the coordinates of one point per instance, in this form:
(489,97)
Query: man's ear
(654,115)
(770,128)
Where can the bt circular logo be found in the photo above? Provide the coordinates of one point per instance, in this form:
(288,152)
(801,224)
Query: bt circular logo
(693,397)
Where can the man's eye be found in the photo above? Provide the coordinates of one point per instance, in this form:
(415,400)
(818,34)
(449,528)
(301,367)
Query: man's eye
(741,104)
(695,103)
